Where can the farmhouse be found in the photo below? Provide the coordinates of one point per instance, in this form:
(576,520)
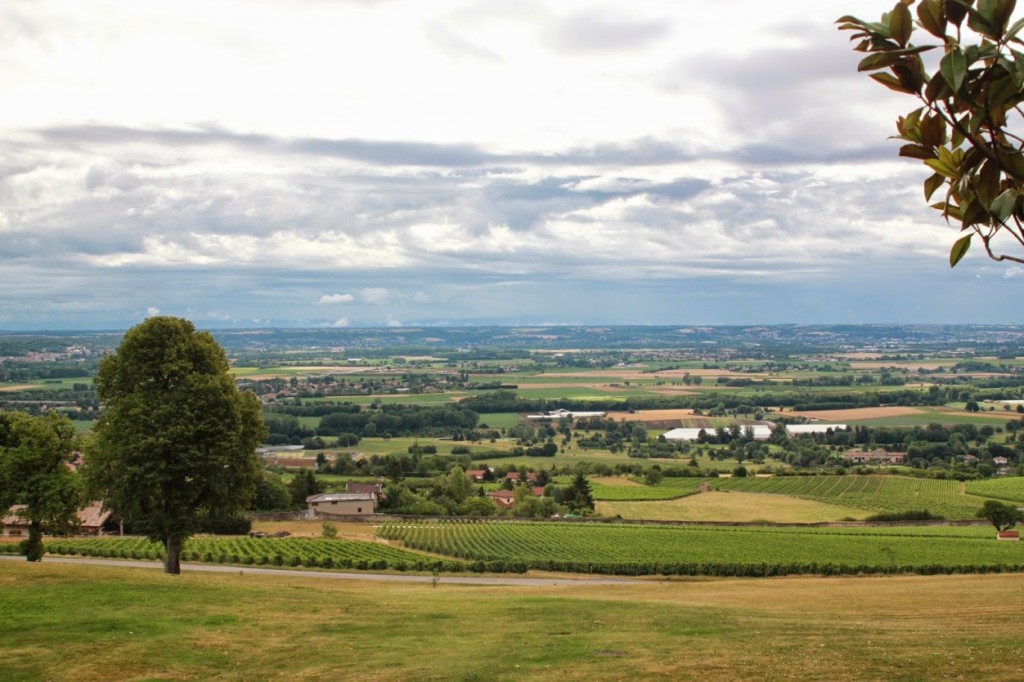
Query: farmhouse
(875,457)
(505,499)
(476,474)
(368,488)
(90,521)
(327,505)
(14,525)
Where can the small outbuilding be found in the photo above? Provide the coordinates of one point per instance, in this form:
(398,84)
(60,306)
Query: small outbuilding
(705,487)
(328,505)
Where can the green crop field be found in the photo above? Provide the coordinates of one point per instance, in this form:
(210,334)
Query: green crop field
(1005,488)
(308,552)
(668,489)
(876,493)
(695,550)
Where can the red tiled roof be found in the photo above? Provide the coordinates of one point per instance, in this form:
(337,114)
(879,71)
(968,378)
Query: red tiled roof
(13,519)
(373,488)
(93,516)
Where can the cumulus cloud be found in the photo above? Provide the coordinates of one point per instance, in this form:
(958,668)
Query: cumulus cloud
(375,295)
(341,322)
(152,312)
(336,298)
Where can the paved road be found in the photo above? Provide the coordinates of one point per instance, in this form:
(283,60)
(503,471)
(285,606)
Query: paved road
(312,573)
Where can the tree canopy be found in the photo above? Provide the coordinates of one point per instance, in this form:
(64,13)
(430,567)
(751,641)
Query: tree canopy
(35,471)
(967,129)
(1003,516)
(176,443)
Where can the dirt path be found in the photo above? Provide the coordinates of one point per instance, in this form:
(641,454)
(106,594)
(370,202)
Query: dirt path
(310,573)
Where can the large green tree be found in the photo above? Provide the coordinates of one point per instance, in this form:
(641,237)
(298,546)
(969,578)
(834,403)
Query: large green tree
(176,442)
(967,129)
(1001,515)
(35,471)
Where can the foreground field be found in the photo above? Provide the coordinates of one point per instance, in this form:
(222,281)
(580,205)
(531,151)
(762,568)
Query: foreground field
(88,623)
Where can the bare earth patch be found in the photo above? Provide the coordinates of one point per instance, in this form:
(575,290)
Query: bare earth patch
(17,387)
(861,413)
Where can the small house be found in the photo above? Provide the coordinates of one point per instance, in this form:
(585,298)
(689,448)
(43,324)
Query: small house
(90,521)
(476,474)
(505,499)
(328,505)
(15,526)
(705,487)
(92,518)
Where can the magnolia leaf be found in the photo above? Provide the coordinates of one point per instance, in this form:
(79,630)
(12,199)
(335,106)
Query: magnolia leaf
(987,186)
(956,11)
(954,67)
(1003,205)
(1015,29)
(959,249)
(932,15)
(983,23)
(941,168)
(933,131)
(932,184)
(916,151)
(893,83)
(901,24)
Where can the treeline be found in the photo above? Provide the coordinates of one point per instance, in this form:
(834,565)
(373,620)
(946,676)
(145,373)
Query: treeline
(509,401)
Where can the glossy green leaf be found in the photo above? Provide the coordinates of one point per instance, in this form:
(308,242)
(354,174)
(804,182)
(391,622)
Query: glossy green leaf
(933,183)
(959,249)
(954,68)
(901,24)
(932,15)
(941,168)
(1015,29)
(1003,205)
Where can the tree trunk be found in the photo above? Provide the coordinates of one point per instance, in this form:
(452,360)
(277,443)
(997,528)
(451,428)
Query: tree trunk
(172,562)
(34,544)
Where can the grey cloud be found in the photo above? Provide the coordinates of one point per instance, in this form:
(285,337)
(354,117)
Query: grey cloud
(643,151)
(588,32)
(453,44)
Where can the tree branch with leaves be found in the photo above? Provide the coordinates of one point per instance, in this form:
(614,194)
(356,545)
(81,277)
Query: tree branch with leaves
(967,129)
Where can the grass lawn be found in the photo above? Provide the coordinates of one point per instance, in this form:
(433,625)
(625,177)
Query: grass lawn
(88,623)
(725,506)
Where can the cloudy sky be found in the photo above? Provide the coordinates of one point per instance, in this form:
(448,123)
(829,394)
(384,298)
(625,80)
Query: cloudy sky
(371,162)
